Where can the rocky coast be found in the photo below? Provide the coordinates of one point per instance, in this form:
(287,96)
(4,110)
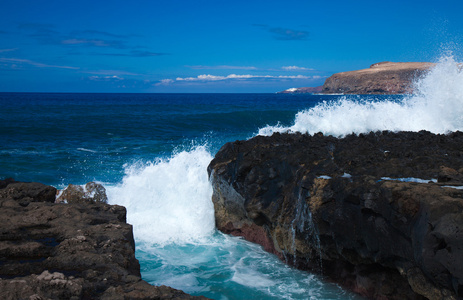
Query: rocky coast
(379,213)
(80,248)
(380,78)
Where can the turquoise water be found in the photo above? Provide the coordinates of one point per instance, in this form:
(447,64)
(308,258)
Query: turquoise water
(151,152)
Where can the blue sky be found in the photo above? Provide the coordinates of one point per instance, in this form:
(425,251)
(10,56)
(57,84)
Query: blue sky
(212,46)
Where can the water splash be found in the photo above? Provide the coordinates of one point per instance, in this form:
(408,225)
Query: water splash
(168,200)
(436,106)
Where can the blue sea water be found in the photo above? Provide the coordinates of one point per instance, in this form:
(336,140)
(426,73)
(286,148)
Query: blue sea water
(62,138)
(151,151)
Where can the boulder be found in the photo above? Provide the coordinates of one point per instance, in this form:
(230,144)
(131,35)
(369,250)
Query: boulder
(369,211)
(80,250)
(380,78)
(91,192)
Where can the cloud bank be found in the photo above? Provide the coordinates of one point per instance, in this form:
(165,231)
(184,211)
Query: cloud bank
(222,67)
(235,77)
(296,68)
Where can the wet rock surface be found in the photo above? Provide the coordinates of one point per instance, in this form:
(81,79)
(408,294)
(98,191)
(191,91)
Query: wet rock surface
(91,192)
(82,250)
(379,213)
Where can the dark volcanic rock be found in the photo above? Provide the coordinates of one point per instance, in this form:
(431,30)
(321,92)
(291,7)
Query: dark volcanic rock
(380,78)
(91,192)
(333,206)
(67,251)
(24,193)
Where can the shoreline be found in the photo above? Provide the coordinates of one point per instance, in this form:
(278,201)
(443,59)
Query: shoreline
(79,250)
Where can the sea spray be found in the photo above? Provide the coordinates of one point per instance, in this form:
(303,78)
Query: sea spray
(436,106)
(169,205)
(168,200)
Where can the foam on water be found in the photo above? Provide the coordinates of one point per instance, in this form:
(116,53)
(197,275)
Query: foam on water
(169,205)
(411,179)
(436,106)
(87,150)
(226,267)
(168,200)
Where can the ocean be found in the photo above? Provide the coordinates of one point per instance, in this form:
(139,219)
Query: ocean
(151,151)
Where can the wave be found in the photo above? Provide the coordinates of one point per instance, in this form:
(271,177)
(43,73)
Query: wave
(169,200)
(436,105)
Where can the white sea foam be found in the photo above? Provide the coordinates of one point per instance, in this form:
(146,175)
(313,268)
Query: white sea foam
(86,150)
(436,105)
(411,179)
(168,200)
(453,187)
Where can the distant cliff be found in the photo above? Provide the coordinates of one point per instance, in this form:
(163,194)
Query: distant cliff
(380,78)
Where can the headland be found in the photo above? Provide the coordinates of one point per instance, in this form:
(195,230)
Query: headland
(379,78)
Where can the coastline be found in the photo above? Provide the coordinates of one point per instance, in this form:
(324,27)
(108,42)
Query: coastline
(384,78)
(79,250)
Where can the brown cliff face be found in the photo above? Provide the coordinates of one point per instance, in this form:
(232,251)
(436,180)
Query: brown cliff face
(380,78)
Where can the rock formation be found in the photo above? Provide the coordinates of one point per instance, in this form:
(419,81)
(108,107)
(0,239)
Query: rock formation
(91,192)
(381,213)
(81,250)
(380,78)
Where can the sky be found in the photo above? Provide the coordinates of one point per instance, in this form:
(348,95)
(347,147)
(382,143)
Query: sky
(187,46)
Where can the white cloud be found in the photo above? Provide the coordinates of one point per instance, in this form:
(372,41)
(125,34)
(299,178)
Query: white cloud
(208,78)
(106,78)
(165,82)
(235,76)
(296,77)
(202,78)
(296,68)
(222,67)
